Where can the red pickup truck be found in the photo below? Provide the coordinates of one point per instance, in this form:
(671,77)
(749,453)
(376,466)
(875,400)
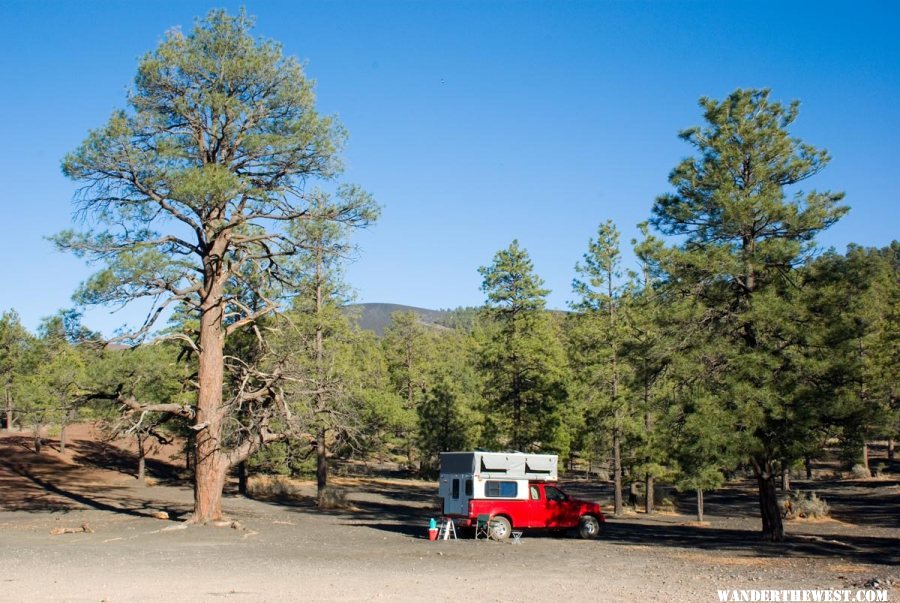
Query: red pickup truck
(547,506)
(511,490)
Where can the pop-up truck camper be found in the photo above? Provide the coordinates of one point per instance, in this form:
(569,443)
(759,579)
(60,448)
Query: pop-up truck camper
(508,491)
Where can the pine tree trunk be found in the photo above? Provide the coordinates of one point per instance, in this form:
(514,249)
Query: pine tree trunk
(865,458)
(321,466)
(62,436)
(68,417)
(38,441)
(142,456)
(617,473)
(785,477)
(772,526)
(243,478)
(808,462)
(9,410)
(321,444)
(699,504)
(648,477)
(189,453)
(211,464)
(890,451)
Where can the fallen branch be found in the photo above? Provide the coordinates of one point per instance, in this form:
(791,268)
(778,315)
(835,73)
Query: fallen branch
(84,528)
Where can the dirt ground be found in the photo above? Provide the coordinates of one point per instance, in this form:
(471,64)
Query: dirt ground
(286,549)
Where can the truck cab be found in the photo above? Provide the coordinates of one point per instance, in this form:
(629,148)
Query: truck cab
(514,491)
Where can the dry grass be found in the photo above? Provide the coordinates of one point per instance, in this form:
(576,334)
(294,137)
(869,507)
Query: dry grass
(805,505)
(277,486)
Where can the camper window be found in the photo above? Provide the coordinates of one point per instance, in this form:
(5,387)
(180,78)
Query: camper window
(455,488)
(469,488)
(498,489)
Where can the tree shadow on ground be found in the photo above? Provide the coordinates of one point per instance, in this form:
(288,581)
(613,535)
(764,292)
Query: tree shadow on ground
(864,549)
(404,509)
(110,499)
(46,483)
(103,455)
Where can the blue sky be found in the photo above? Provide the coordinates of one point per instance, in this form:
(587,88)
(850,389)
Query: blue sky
(472,123)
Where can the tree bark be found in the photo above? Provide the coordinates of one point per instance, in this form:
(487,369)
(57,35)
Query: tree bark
(890,451)
(617,473)
(785,477)
(142,463)
(67,417)
(189,453)
(321,466)
(772,526)
(9,410)
(865,457)
(699,504)
(648,477)
(243,477)
(808,463)
(211,464)
(321,402)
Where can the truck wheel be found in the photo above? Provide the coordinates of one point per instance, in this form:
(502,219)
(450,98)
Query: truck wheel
(588,527)
(500,528)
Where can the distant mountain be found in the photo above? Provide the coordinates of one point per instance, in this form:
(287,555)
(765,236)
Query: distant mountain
(377,317)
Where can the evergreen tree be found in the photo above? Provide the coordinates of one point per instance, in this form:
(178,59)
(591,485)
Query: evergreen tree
(522,358)
(601,337)
(741,237)
(407,348)
(319,322)
(14,343)
(647,350)
(191,191)
(448,416)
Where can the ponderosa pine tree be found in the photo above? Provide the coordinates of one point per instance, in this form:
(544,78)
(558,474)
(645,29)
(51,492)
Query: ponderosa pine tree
(447,415)
(742,230)
(853,304)
(14,343)
(599,339)
(190,191)
(407,349)
(648,351)
(319,324)
(523,361)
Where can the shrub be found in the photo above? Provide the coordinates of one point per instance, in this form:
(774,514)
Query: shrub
(333,498)
(805,505)
(666,505)
(859,471)
(271,486)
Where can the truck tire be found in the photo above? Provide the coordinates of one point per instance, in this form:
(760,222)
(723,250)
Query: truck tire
(500,528)
(588,527)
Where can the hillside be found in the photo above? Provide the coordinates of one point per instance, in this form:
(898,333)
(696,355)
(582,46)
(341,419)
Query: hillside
(377,317)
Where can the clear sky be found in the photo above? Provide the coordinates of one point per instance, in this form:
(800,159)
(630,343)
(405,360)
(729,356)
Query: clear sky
(472,123)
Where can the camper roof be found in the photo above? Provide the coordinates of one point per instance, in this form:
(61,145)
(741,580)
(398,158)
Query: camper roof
(501,464)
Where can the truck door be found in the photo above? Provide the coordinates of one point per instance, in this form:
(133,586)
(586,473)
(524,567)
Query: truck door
(535,513)
(557,509)
(561,513)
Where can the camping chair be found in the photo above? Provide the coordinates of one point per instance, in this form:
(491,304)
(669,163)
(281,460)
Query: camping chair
(483,526)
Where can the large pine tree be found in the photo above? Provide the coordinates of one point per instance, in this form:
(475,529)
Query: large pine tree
(743,229)
(522,358)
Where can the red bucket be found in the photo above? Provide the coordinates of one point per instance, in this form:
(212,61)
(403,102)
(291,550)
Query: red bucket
(432,534)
